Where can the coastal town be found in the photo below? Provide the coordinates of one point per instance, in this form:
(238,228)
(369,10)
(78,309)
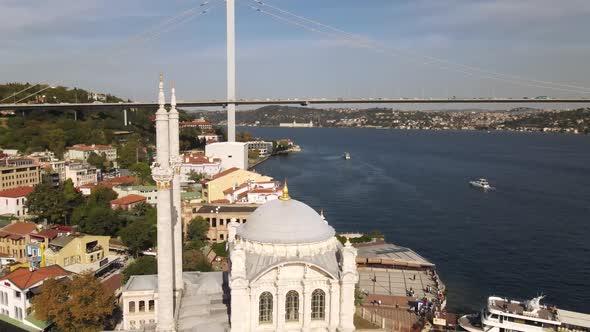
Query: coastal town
(573,121)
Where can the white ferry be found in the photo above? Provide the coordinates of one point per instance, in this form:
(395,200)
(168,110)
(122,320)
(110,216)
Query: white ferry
(504,315)
(346,155)
(481,183)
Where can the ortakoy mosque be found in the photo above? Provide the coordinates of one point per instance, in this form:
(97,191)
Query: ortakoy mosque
(288,272)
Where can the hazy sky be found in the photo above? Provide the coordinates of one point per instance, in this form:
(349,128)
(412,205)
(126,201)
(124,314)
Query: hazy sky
(91,44)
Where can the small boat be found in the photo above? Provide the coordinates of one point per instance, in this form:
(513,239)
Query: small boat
(481,183)
(346,155)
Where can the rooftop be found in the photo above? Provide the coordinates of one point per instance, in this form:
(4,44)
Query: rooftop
(20,228)
(574,318)
(142,283)
(129,199)
(17,192)
(227,209)
(23,278)
(84,147)
(389,254)
(224,173)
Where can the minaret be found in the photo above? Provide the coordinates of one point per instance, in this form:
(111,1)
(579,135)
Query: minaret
(163,174)
(175,163)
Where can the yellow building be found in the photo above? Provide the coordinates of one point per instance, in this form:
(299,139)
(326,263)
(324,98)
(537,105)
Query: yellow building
(77,252)
(14,239)
(218,216)
(19,172)
(213,189)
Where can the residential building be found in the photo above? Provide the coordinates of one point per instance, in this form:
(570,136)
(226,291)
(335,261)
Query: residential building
(231,154)
(138,302)
(213,190)
(14,239)
(107,183)
(197,162)
(81,152)
(77,252)
(211,138)
(50,165)
(82,174)
(18,172)
(251,192)
(203,125)
(149,192)
(264,148)
(294,124)
(18,288)
(218,217)
(12,201)
(127,202)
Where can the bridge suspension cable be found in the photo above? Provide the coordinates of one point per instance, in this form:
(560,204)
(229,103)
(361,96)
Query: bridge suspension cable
(18,92)
(439,62)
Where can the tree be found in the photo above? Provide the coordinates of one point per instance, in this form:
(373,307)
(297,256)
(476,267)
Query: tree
(254,154)
(79,304)
(195,260)
(97,220)
(220,249)
(143,265)
(138,235)
(244,136)
(142,171)
(197,233)
(101,195)
(98,161)
(196,176)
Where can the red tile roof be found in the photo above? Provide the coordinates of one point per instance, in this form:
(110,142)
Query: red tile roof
(17,192)
(129,199)
(197,159)
(231,190)
(224,173)
(20,228)
(220,201)
(23,278)
(47,233)
(84,147)
(121,180)
(112,283)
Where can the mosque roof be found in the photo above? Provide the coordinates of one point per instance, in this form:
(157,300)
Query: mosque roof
(285,221)
(256,264)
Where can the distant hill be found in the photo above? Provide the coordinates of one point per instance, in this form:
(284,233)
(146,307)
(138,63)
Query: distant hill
(41,93)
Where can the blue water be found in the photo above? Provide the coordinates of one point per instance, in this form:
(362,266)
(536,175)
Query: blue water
(530,236)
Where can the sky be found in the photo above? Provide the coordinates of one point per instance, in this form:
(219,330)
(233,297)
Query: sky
(399,48)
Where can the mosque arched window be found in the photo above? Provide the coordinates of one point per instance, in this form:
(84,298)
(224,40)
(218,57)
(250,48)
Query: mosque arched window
(265,308)
(292,306)
(318,305)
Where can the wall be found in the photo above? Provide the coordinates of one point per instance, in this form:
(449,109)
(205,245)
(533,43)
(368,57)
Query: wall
(232,154)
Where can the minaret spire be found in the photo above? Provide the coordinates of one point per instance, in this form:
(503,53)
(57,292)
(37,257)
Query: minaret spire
(175,163)
(161,96)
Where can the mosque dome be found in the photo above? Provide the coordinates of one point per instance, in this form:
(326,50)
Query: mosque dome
(285,221)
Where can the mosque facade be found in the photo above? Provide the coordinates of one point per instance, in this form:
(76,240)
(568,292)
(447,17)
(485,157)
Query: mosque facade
(287,270)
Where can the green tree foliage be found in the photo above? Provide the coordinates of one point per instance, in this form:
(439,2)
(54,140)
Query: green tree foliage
(95,215)
(254,154)
(99,161)
(195,260)
(79,304)
(54,204)
(131,152)
(197,233)
(143,172)
(220,249)
(244,136)
(139,235)
(143,265)
(195,176)
(189,139)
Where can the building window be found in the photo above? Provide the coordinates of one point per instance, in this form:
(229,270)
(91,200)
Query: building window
(141,306)
(265,308)
(151,305)
(221,237)
(318,305)
(292,306)
(131,306)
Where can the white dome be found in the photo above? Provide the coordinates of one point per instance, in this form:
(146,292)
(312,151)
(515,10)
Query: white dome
(285,222)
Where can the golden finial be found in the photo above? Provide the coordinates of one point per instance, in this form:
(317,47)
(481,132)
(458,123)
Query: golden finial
(161,77)
(285,196)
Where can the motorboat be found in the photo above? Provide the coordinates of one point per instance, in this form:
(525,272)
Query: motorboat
(346,155)
(481,183)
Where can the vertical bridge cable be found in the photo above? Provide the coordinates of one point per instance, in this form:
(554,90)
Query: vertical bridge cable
(364,42)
